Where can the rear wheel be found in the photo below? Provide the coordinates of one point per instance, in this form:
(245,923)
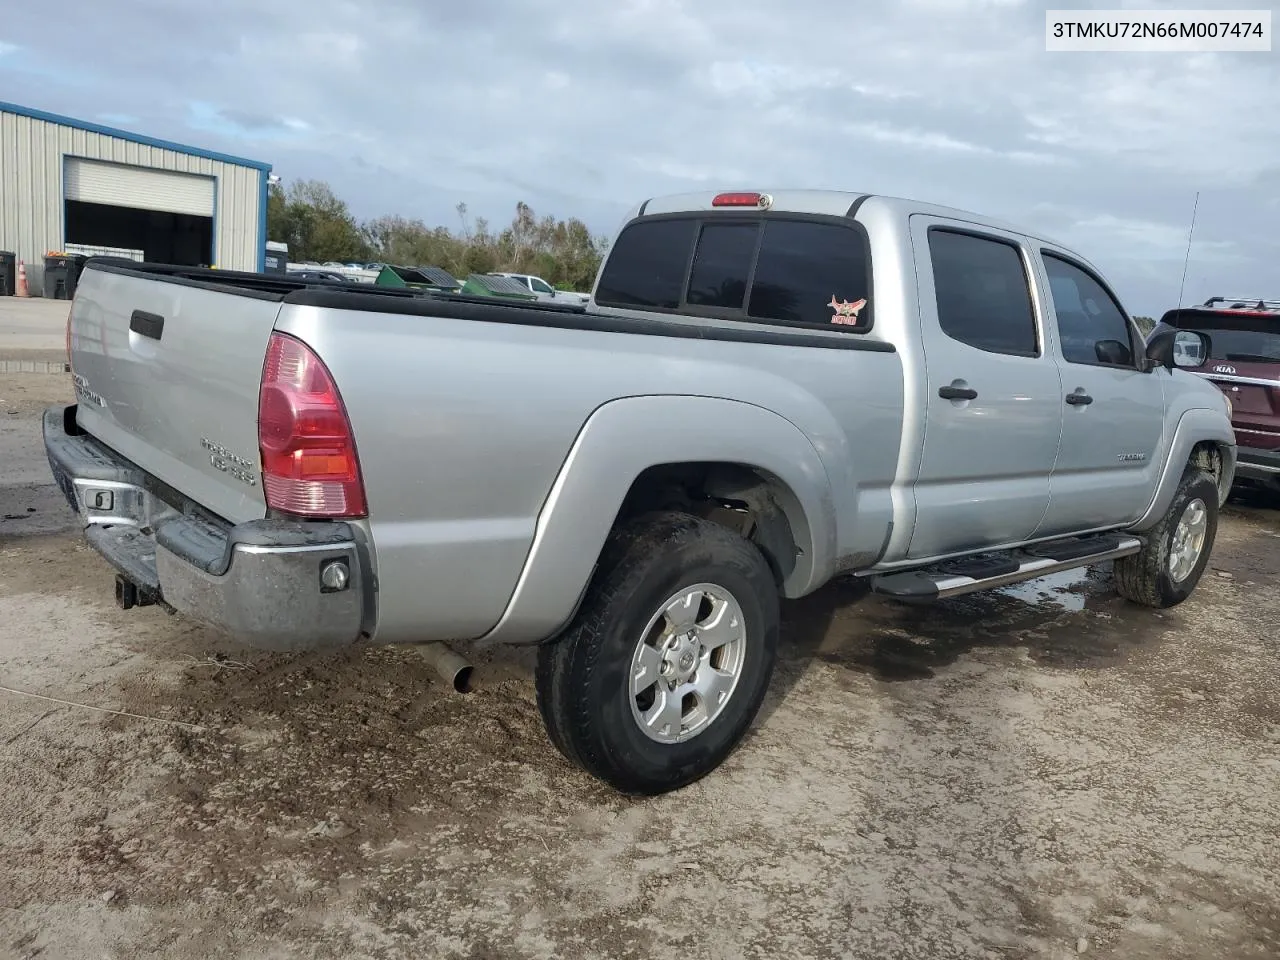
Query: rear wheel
(668,660)
(1167,569)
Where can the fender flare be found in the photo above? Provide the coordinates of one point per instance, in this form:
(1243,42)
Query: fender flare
(1198,425)
(617,443)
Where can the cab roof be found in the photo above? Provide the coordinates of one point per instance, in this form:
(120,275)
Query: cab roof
(835,203)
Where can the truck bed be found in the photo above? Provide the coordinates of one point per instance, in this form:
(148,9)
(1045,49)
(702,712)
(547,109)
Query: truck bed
(433,303)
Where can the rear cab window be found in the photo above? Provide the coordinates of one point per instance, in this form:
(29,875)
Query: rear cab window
(791,269)
(647,266)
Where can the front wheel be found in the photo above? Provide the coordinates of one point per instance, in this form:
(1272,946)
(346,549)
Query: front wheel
(1167,569)
(667,662)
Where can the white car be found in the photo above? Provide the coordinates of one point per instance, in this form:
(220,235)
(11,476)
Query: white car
(544,290)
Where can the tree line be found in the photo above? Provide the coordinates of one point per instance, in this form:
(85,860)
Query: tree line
(318,226)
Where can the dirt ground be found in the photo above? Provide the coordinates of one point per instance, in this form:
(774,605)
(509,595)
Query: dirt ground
(1041,772)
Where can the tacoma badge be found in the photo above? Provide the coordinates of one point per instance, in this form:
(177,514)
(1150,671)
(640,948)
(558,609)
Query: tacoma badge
(226,461)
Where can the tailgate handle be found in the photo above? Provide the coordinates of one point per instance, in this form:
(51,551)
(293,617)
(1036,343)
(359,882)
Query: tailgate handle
(147,324)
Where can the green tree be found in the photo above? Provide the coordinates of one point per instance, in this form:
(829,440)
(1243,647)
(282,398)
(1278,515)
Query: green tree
(1145,324)
(314,222)
(562,252)
(317,225)
(277,214)
(394,239)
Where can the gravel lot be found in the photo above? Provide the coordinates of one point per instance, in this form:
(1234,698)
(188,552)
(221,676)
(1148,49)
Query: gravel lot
(1042,772)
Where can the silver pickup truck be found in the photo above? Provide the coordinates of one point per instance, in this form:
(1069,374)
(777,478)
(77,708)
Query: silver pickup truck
(766,391)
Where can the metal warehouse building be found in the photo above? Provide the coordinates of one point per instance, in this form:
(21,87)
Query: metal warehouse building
(76,187)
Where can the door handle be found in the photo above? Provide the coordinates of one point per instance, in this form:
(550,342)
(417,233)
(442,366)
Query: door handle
(1079,399)
(955,392)
(146,324)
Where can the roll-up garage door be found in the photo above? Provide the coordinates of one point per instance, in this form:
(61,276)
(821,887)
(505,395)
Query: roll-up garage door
(143,188)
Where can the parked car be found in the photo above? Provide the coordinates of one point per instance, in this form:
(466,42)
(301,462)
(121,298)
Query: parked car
(1235,344)
(544,290)
(771,391)
(324,276)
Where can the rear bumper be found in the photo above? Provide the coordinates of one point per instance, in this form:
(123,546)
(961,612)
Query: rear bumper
(259,582)
(1253,463)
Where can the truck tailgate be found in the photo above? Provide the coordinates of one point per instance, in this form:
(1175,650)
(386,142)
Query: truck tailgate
(167,374)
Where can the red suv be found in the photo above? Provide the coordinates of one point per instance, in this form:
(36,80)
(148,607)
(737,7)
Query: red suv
(1236,344)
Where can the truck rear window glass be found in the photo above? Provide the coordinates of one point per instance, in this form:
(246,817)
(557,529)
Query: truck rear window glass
(802,266)
(646,267)
(722,264)
(1241,338)
(983,296)
(795,271)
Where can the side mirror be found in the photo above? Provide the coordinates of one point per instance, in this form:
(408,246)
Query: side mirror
(1114,352)
(1179,348)
(1190,349)
(1160,350)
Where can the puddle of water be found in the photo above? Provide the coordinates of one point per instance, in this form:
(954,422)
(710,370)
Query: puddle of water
(1067,589)
(1071,618)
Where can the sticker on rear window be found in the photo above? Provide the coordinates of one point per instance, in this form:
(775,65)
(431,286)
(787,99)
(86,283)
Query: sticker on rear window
(845,311)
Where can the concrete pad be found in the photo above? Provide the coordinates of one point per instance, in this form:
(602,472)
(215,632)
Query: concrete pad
(32,324)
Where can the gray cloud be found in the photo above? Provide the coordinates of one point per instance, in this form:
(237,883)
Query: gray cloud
(582,108)
(259,122)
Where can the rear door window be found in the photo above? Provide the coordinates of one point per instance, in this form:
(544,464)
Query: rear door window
(983,296)
(774,269)
(648,264)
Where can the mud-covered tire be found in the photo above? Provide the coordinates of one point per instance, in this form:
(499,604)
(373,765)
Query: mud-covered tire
(1145,577)
(584,677)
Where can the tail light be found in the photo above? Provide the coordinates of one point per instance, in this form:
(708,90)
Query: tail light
(69,312)
(309,462)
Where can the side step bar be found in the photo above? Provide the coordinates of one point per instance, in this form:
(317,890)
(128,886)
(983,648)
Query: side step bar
(970,574)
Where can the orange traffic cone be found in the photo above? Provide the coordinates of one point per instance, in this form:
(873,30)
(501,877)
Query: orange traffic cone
(22,280)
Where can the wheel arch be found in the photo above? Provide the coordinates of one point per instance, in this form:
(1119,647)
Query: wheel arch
(720,457)
(748,499)
(1202,438)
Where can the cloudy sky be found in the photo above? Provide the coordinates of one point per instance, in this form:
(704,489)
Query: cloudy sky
(583,107)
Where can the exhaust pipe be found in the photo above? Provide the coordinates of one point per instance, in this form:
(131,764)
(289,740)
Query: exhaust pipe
(452,667)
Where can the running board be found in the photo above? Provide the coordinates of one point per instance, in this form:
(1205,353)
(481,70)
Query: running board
(968,575)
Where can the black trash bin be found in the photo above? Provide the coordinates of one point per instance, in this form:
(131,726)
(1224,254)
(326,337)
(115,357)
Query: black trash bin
(73,274)
(58,280)
(277,258)
(8,273)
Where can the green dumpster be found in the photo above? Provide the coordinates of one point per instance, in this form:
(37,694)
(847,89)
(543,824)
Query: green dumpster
(488,285)
(416,278)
